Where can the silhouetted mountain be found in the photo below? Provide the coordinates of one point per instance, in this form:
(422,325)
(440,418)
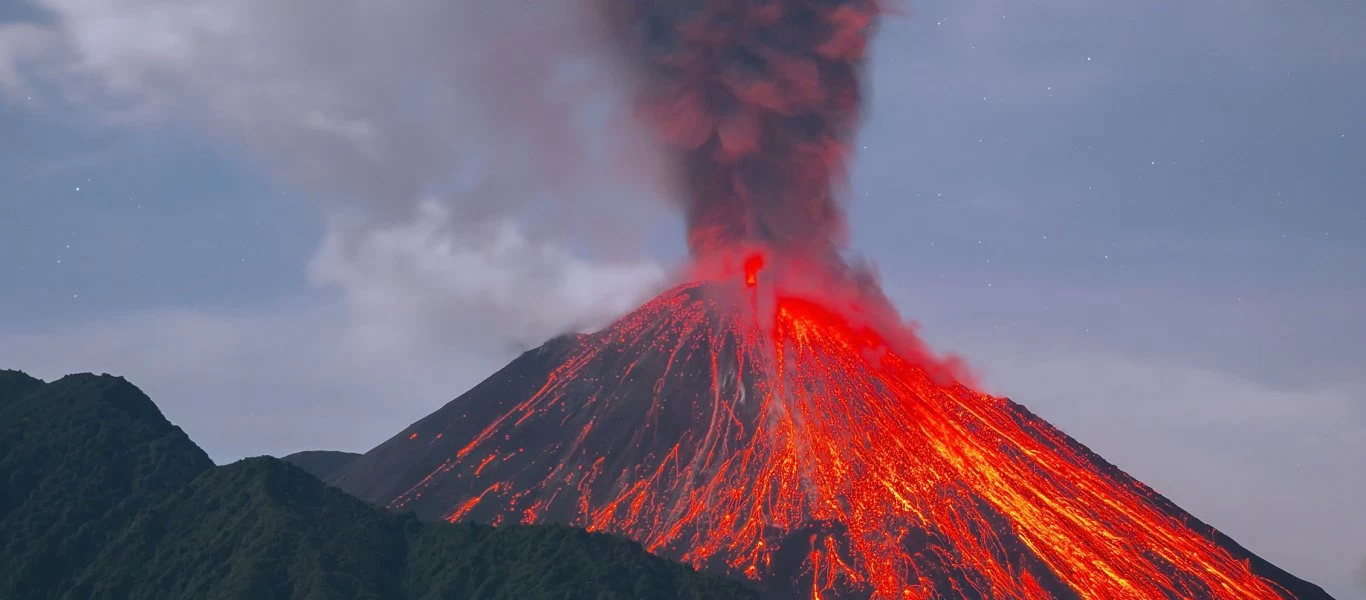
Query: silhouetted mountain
(662,428)
(103,498)
(320,463)
(15,384)
(80,458)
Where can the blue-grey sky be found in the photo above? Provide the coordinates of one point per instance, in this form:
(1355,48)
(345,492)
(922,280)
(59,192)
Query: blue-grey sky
(306,224)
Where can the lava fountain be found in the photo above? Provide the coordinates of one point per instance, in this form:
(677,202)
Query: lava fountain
(772,418)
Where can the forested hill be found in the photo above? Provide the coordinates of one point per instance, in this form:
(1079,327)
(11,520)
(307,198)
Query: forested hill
(102,497)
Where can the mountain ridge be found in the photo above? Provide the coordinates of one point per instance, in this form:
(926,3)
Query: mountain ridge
(320,463)
(106,499)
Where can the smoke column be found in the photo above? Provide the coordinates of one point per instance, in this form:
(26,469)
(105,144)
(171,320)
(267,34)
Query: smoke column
(759,98)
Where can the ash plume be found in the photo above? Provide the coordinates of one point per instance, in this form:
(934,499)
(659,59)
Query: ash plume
(759,99)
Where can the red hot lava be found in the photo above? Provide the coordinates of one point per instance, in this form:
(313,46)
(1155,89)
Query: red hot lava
(788,439)
(776,422)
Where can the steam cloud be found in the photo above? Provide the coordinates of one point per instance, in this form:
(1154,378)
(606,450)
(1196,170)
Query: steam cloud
(760,99)
(468,156)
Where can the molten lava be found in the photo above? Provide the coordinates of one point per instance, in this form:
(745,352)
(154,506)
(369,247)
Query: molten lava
(790,443)
(775,421)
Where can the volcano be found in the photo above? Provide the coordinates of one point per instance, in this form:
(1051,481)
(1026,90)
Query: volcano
(771,418)
(778,435)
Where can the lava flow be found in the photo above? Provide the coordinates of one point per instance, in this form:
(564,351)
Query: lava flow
(796,446)
(772,418)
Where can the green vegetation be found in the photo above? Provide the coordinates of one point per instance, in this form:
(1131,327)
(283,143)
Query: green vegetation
(103,498)
(79,459)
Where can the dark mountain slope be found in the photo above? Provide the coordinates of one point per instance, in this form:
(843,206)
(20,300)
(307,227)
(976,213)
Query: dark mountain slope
(415,451)
(551,562)
(106,499)
(258,528)
(321,463)
(262,528)
(14,385)
(79,458)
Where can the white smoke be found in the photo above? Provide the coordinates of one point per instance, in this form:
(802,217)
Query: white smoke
(471,156)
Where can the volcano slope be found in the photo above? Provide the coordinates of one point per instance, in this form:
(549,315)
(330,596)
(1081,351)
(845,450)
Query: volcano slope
(804,452)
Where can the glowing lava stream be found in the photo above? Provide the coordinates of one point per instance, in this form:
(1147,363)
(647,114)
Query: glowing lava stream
(815,432)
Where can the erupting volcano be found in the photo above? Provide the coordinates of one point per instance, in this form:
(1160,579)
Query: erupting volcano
(772,418)
(786,440)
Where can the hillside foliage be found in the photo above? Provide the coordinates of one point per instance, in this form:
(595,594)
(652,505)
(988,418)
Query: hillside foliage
(103,498)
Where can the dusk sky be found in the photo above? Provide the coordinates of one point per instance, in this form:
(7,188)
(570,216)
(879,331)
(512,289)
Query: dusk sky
(306,224)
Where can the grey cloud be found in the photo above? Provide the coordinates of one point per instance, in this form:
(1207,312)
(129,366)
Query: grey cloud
(402,281)
(19,43)
(507,116)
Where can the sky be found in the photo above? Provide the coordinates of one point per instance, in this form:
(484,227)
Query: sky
(305,225)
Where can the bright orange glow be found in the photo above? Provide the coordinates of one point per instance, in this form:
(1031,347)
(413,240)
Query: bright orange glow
(793,433)
(753,265)
(812,437)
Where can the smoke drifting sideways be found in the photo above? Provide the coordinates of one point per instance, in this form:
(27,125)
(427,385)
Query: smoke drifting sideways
(760,100)
(475,178)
